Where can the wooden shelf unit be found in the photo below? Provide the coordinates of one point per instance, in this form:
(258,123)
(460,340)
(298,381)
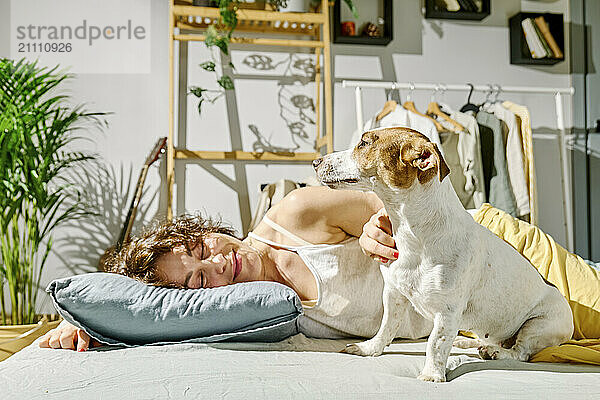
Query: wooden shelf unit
(194,20)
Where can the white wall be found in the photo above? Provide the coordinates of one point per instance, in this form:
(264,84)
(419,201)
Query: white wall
(439,51)
(138,103)
(423,51)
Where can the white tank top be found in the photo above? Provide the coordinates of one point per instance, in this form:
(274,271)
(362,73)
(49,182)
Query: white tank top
(350,289)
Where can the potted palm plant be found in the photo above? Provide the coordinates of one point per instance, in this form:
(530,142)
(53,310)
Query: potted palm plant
(37,131)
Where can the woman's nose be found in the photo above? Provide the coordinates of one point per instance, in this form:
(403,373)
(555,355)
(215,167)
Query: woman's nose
(220,262)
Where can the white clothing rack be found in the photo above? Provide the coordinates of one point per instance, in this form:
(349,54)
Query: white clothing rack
(557,92)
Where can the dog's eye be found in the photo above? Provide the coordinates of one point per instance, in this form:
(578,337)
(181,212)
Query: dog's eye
(361,144)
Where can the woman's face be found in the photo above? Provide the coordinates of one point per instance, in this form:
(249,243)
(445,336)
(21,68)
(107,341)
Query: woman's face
(218,260)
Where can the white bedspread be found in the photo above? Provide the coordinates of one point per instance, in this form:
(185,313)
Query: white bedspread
(297,368)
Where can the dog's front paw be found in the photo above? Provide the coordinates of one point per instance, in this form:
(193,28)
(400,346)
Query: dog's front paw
(426,377)
(367,348)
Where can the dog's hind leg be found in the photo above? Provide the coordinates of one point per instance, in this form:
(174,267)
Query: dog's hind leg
(537,333)
(395,306)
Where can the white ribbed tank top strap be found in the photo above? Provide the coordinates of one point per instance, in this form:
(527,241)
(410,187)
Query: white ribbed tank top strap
(285,232)
(272,243)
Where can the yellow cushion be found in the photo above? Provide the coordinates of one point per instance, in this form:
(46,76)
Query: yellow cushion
(573,277)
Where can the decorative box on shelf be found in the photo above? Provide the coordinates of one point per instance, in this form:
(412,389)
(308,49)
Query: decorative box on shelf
(475,10)
(547,32)
(374,25)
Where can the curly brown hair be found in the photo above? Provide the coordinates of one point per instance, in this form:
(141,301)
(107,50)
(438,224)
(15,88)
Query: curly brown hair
(137,259)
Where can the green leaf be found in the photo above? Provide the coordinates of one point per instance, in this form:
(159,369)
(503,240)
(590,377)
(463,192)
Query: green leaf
(197,91)
(226,82)
(228,16)
(211,36)
(208,66)
(352,8)
(223,44)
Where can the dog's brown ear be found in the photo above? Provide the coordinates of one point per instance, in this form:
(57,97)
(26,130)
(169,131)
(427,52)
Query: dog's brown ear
(443,170)
(428,159)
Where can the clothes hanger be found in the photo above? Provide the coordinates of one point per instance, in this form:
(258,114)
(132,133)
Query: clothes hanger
(469,106)
(410,106)
(488,97)
(389,106)
(498,90)
(434,109)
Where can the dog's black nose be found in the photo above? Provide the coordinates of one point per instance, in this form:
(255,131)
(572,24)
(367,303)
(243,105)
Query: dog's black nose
(317,162)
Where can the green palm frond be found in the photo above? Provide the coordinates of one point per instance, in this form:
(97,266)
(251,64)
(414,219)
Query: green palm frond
(38,131)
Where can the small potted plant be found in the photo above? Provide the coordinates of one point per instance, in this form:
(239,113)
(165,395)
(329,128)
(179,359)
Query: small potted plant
(37,131)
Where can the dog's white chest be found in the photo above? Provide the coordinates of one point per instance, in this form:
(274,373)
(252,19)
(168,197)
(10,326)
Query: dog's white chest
(422,282)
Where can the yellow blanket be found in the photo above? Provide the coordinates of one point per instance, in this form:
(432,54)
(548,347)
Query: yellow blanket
(576,280)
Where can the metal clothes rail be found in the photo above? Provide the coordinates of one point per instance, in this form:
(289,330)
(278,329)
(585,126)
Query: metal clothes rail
(557,92)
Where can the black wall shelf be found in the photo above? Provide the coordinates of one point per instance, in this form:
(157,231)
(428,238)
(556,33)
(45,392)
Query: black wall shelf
(388,27)
(519,50)
(435,9)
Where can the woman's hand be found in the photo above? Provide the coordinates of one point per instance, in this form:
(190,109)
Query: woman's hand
(67,336)
(376,239)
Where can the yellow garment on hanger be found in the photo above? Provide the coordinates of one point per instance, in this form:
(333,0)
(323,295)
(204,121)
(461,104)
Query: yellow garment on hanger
(522,114)
(573,277)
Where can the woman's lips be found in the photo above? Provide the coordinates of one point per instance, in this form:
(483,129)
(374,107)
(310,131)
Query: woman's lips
(238,265)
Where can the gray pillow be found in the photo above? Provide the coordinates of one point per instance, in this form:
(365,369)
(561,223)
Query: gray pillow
(115,309)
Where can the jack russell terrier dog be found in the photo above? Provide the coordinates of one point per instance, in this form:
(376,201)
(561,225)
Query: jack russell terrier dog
(454,271)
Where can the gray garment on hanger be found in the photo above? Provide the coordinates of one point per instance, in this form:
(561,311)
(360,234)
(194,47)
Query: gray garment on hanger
(493,152)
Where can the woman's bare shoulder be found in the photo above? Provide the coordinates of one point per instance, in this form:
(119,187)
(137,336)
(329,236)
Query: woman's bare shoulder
(322,215)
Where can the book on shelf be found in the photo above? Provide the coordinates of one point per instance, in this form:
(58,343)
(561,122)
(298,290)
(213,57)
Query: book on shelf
(467,5)
(543,41)
(544,29)
(451,5)
(536,48)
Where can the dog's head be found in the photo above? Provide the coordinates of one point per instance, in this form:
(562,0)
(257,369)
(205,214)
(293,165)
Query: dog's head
(394,157)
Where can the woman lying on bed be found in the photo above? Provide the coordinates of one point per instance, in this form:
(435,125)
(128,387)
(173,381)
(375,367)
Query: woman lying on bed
(325,244)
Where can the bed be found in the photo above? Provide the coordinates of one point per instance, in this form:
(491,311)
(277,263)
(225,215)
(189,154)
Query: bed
(296,368)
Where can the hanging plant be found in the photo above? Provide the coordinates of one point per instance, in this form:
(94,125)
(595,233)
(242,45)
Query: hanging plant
(219,36)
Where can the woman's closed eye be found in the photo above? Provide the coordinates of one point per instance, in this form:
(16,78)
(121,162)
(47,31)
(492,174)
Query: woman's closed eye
(203,251)
(191,285)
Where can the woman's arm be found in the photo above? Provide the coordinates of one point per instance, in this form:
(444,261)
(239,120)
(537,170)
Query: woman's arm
(323,215)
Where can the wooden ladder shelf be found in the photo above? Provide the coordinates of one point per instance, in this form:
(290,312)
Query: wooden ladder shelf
(314,27)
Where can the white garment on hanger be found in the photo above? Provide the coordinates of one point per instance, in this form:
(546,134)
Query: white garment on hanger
(460,151)
(470,152)
(514,157)
(403,118)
